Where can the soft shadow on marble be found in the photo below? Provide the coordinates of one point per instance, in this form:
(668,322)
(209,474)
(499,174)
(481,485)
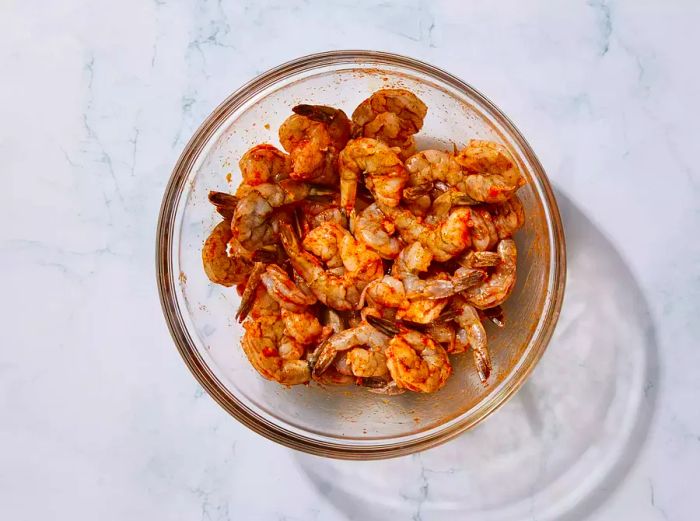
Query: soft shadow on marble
(561,445)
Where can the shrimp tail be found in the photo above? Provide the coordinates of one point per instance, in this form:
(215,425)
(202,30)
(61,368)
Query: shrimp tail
(383,325)
(466,278)
(482,361)
(320,113)
(224,203)
(479,259)
(248,297)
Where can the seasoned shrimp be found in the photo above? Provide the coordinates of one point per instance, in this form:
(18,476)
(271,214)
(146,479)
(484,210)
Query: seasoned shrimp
(313,213)
(472,333)
(444,334)
(272,353)
(392,116)
(361,335)
(314,136)
(444,240)
(250,294)
(324,242)
(430,166)
(416,362)
(219,267)
(367,363)
(386,293)
(416,258)
(498,286)
(385,173)
(285,292)
(340,292)
(508,216)
(264,164)
(303,327)
(492,174)
(373,228)
(254,221)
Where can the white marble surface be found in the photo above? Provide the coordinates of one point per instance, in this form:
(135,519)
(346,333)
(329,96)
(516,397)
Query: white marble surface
(99,417)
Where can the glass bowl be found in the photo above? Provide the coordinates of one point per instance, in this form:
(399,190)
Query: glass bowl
(349,422)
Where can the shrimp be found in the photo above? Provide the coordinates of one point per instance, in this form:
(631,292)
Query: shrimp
(445,240)
(272,353)
(250,294)
(285,292)
(387,293)
(472,333)
(369,363)
(385,173)
(498,286)
(255,220)
(416,258)
(219,267)
(264,164)
(429,166)
(324,242)
(479,259)
(492,174)
(312,213)
(361,335)
(314,136)
(340,292)
(508,216)
(415,361)
(303,327)
(392,116)
(373,228)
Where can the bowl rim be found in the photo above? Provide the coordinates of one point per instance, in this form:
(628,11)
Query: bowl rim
(166,276)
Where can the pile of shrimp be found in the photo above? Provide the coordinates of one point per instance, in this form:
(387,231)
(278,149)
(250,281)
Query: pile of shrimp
(362,261)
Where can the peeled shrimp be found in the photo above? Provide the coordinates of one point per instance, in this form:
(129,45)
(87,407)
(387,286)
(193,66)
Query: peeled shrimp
(367,363)
(385,173)
(253,224)
(492,174)
(444,240)
(508,216)
(416,362)
(373,228)
(472,333)
(264,164)
(416,258)
(362,335)
(272,353)
(285,292)
(498,286)
(392,116)
(303,327)
(314,136)
(324,242)
(219,267)
(340,292)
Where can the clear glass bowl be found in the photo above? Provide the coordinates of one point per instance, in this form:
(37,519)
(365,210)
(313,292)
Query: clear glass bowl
(349,422)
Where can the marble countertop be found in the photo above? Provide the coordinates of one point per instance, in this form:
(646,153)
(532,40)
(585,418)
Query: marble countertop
(99,417)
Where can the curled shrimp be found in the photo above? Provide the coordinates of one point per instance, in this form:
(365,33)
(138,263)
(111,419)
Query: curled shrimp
(272,353)
(392,116)
(415,361)
(285,292)
(304,327)
(313,136)
(255,220)
(264,164)
(416,258)
(324,242)
(361,335)
(492,174)
(498,286)
(472,333)
(508,216)
(373,228)
(444,240)
(312,213)
(341,292)
(367,363)
(218,266)
(385,173)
